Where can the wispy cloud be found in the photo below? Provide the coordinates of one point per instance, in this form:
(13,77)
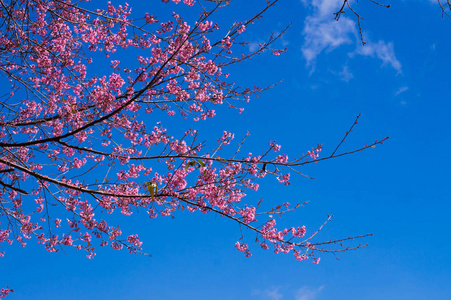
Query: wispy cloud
(401,90)
(323,34)
(307,293)
(383,51)
(271,293)
(345,75)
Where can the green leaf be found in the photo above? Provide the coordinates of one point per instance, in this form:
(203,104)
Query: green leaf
(189,164)
(200,164)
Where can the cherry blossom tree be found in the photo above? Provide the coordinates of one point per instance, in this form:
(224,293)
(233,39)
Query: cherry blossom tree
(63,120)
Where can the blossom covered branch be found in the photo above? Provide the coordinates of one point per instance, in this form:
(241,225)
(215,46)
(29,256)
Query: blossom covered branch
(66,116)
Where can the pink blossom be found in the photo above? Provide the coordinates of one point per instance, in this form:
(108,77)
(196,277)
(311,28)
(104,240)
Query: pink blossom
(5,292)
(226,43)
(189,2)
(243,248)
(314,153)
(282,159)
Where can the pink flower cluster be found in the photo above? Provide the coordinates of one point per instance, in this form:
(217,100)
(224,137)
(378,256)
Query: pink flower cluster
(5,292)
(314,153)
(244,248)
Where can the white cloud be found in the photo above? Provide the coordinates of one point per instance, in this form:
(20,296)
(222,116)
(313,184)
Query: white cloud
(322,33)
(345,75)
(401,90)
(271,293)
(306,293)
(327,36)
(324,8)
(383,51)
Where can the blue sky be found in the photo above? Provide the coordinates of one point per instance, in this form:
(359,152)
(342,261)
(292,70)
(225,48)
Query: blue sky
(398,191)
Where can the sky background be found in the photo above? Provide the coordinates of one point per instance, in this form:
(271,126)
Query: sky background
(398,191)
